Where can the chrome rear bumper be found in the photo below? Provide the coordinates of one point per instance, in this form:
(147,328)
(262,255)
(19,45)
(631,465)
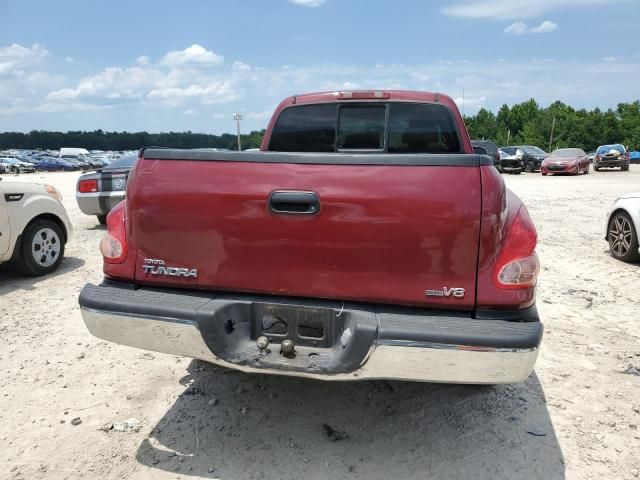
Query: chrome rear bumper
(385,358)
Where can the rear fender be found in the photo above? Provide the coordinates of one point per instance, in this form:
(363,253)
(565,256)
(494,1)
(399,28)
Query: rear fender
(499,209)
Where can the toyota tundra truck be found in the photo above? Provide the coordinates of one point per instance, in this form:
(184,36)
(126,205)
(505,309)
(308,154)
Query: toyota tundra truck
(364,240)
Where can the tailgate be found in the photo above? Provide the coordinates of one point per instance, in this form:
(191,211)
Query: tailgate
(298,225)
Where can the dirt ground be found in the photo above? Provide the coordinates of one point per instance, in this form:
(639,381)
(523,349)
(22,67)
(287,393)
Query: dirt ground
(577,416)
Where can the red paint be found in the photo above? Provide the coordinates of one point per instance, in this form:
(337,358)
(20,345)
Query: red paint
(383,234)
(573,165)
(499,209)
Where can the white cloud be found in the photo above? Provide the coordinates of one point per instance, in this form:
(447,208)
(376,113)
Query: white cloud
(112,85)
(308,3)
(240,66)
(69,60)
(194,55)
(609,59)
(512,9)
(217,92)
(545,27)
(15,58)
(517,28)
(520,28)
(142,60)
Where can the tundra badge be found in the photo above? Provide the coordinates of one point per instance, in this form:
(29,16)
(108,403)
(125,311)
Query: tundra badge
(157,267)
(445,292)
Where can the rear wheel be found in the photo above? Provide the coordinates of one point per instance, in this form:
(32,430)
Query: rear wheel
(586,170)
(102,219)
(544,174)
(529,168)
(41,249)
(623,240)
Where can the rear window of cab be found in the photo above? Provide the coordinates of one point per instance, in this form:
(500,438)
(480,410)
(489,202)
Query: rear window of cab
(392,127)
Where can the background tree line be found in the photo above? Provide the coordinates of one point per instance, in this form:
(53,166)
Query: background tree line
(100,140)
(522,123)
(527,124)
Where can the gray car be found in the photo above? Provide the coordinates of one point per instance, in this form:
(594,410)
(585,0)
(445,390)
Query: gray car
(98,192)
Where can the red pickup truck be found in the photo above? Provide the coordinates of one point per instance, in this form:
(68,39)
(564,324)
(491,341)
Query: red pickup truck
(365,240)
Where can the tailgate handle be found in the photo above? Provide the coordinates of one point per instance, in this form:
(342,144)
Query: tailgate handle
(295,202)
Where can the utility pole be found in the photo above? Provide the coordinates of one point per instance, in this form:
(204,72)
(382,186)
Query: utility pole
(553,124)
(237,117)
(508,136)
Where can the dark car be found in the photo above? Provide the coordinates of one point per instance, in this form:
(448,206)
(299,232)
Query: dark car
(612,156)
(98,192)
(490,149)
(510,161)
(52,164)
(81,163)
(530,155)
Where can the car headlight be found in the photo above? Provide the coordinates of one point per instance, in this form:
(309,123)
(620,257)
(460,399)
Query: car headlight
(53,191)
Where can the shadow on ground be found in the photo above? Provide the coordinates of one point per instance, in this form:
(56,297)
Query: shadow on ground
(231,425)
(11,279)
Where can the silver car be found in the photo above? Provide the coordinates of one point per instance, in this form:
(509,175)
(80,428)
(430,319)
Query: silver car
(98,192)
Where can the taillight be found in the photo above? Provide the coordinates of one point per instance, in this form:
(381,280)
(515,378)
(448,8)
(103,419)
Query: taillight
(114,243)
(88,186)
(517,265)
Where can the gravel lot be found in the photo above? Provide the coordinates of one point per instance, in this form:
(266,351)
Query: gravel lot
(577,416)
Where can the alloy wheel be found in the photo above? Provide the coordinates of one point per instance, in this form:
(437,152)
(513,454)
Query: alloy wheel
(620,236)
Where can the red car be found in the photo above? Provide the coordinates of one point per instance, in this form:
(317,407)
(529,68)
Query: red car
(566,160)
(365,240)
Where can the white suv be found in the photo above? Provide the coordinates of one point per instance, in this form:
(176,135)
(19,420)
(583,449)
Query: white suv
(34,226)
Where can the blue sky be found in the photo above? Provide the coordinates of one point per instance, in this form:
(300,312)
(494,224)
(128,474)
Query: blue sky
(166,65)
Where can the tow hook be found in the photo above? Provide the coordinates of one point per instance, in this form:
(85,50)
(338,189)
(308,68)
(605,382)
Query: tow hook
(287,348)
(263,345)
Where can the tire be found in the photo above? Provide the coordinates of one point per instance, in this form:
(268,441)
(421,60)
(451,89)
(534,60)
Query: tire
(517,172)
(544,174)
(596,169)
(102,219)
(623,238)
(41,248)
(529,168)
(586,170)
(625,168)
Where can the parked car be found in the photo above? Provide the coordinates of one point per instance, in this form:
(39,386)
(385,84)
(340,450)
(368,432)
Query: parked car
(52,164)
(98,192)
(611,156)
(530,155)
(5,165)
(566,160)
(34,227)
(18,166)
(491,149)
(623,228)
(66,152)
(78,162)
(510,160)
(417,264)
(634,157)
